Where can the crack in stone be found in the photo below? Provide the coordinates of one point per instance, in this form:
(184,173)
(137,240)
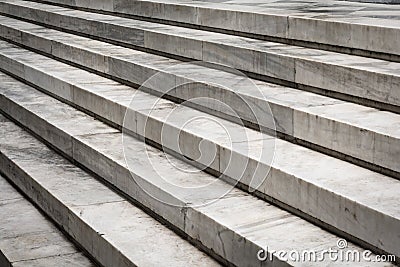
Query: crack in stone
(46,257)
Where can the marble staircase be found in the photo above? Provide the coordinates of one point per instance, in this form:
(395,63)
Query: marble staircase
(186,140)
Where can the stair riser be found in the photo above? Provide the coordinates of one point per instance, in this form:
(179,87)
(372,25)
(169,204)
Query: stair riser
(368,146)
(349,81)
(279,185)
(280,25)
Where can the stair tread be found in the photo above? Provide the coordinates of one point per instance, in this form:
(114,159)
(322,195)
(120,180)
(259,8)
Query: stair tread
(25,243)
(254,226)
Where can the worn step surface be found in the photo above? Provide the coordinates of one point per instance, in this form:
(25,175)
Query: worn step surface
(365,80)
(27,238)
(336,23)
(111,229)
(366,134)
(194,202)
(343,190)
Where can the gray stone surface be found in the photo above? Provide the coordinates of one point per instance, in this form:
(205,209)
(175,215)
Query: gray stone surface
(339,23)
(110,228)
(230,223)
(338,186)
(27,238)
(377,1)
(76,260)
(348,128)
(362,77)
(259,225)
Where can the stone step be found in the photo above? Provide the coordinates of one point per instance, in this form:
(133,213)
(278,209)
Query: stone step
(391,2)
(333,25)
(327,190)
(227,221)
(367,81)
(27,238)
(111,229)
(365,136)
